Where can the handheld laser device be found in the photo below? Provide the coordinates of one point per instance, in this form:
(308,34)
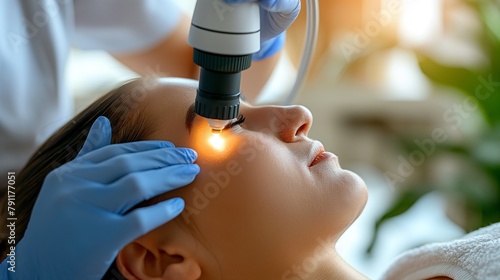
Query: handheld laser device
(224,37)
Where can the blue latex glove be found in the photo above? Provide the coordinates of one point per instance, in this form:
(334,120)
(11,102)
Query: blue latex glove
(275,17)
(78,223)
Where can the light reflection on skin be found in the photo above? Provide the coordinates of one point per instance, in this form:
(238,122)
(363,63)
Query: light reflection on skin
(210,146)
(217,142)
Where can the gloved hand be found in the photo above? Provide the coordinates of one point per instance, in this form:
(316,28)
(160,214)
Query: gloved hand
(78,223)
(275,17)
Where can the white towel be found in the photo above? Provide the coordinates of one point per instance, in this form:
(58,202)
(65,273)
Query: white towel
(474,256)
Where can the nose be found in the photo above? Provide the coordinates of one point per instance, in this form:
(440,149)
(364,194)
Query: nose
(291,123)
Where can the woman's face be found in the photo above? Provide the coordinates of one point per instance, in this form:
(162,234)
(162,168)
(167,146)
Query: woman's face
(269,193)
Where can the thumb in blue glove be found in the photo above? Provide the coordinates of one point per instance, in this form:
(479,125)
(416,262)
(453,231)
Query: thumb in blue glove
(80,221)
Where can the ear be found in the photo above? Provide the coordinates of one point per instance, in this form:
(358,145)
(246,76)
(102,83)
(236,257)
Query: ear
(146,260)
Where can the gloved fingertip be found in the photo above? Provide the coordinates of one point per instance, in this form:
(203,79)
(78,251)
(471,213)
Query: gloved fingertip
(166,144)
(192,154)
(195,168)
(270,47)
(190,170)
(103,123)
(145,219)
(99,136)
(174,206)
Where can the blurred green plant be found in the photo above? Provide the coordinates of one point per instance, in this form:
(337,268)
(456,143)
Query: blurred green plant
(473,193)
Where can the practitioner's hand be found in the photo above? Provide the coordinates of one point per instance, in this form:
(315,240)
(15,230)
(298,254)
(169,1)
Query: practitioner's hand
(79,221)
(275,17)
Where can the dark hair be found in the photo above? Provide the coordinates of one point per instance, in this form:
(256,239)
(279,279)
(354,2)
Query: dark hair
(120,106)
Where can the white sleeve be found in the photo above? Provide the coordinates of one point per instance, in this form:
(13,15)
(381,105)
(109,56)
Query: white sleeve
(123,26)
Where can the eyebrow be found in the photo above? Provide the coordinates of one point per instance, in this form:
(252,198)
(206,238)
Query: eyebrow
(190,115)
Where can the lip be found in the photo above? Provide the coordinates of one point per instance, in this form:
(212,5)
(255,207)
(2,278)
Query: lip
(318,154)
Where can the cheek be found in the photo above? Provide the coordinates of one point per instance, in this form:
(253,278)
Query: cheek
(261,188)
(246,189)
(272,184)
(213,149)
(268,166)
(294,201)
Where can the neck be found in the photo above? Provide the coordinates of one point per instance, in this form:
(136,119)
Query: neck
(330,267)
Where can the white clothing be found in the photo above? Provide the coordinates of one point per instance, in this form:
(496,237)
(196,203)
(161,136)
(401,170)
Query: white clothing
(36,39)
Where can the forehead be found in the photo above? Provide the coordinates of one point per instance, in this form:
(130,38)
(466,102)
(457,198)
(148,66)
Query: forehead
(165,109)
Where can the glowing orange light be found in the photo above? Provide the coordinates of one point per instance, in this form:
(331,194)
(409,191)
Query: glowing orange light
(216,141)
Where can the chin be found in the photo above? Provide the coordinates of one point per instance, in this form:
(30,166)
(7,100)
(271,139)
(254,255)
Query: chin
(356,187)
(347,199)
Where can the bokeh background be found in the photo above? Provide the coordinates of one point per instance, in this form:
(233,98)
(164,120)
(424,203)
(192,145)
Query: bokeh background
(407,94)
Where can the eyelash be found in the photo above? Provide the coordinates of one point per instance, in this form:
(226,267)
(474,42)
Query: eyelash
(240,120)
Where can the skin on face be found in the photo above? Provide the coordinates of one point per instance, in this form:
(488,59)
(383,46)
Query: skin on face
(256,206)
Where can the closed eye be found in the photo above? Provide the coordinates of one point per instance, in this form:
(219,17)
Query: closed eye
(240,120)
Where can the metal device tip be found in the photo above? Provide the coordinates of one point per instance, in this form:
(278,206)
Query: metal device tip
(217,125)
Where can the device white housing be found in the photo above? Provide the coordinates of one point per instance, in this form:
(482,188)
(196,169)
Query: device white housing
(220,28)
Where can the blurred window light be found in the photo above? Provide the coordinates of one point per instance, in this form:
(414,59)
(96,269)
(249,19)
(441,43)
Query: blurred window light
(420,21)
(404,79)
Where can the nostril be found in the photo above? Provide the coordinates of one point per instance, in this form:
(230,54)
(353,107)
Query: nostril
(304,122)
(303,129)
(291,134)
(295,122)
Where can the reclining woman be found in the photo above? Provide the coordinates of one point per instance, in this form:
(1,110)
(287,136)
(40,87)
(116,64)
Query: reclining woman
(264,203)
(269,202)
